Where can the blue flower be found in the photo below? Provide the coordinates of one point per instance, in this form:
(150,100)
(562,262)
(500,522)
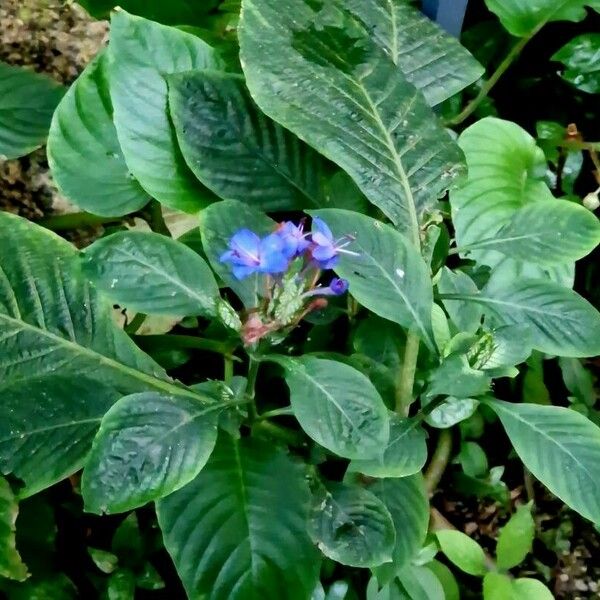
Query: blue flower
(249,254)
(336,287)
(294,239)
(325,249)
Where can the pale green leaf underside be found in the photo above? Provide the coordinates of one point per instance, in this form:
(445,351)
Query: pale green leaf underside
(11,565)
(407,502)
(318,74)
(560,321)
(148,446)
(83,150)
(151,273)
(525,18)
(388,276)
(431,59)
(54,327)
(237,151)
(238,530)
(561,448)
(27,101)
(337,406)
(352,526)
(141,53)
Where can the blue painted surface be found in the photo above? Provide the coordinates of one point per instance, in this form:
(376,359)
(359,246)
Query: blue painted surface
(449,14)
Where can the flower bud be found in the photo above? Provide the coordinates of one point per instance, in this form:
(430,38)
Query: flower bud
(591,201)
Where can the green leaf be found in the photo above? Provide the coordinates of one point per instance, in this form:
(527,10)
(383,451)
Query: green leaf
(431,59)
(516,538)
(235,150)
(388,276)
(106,561)
(531,589)
(141,53)
(351,526)
(420,583)
(465,315)
(82,134)
(581,57)
(473,459)
(524,19)
(11,565)
(121,585)
(174,12)
(64,361)
(462,551)
(301,58)
(218,223)
(148,446)
(452,411)
(506,172)
(578,380)
(238,531)
(404,454)
(546,233)
(454,377)
(337,406)
(379,340)
(152,274)
(560,321)
(560,447)
(406,500)
(502,347)
(27,101)
(446,578)
(497,586)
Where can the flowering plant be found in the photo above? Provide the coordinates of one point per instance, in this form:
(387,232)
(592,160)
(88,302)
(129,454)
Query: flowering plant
(306,300)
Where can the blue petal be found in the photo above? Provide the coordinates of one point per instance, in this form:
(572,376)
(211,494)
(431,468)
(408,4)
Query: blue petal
(327,264)
(241,271)
(321,228)
(324,252)
(226,256)
(246,242)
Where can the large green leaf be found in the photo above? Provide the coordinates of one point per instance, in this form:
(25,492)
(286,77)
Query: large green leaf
(388,276)
(407,502)
(82,134)
(560,447)
(560,321)
(151,273)
(465,315)
(27,101)
(218,223)
(174,12)
(312,67)
(526,18)
(352,526)
(141,53)
(337,406)
(546,233)
(235,150)
(431,59)
(148,446)
(63,358)
(404,454)
(238,531)
(11,565)
(506,172)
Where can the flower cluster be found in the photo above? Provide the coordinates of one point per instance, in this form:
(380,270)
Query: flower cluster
(292,261)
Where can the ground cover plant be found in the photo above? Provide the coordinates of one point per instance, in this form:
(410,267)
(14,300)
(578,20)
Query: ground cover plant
(330,266)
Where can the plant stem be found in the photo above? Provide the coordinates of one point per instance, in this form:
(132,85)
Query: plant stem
(250,392)
(471,107)
(227,369)
(287,436)
(276,412)
(135,323)
(439,460)
(75,221)
(184,341)
(406,376)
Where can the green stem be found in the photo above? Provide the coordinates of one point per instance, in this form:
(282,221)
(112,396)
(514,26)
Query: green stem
(429,408)
(250,392)
(276,412)
(406,376)
(78,220)
(287,436)
(471,107)
(150,342)
(136,323)
(227,369)
(439,460)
